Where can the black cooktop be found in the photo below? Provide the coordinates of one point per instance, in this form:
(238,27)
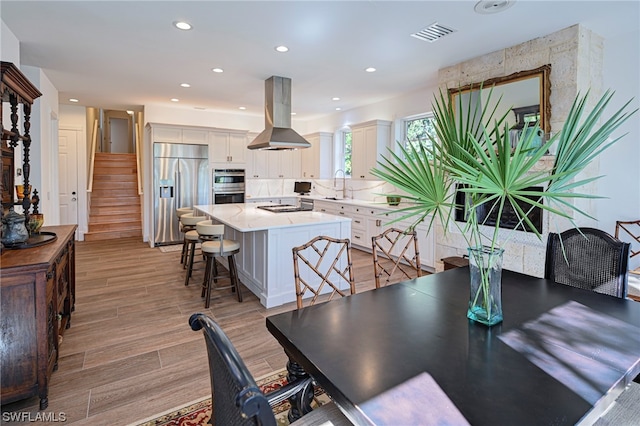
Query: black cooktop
(283,208)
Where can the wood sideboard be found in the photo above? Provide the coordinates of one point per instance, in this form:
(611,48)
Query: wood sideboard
(37,296)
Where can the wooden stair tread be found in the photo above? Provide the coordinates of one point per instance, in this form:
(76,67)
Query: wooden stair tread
(107,210)
(115,204)
(111,235)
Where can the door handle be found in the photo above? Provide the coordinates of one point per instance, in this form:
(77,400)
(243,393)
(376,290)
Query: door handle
(177,192)
(74,199)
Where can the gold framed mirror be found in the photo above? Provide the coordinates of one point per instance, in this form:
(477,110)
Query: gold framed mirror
(520,91)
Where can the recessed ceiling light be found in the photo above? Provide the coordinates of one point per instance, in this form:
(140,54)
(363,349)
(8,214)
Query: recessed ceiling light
(242,108)
(335,99)
(185,85)
(175,100)
(181,25)
(338,109)
(282,49)
(370,69)
(488,7)
(217,70)
(73,100)
(294,113)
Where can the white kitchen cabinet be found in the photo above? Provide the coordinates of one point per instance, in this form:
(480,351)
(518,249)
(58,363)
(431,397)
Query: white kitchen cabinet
(228,149)
(368,142)
(195,136)
(315,162)
(325,207)
(367,222)
(275,200)
(257,161)
(166,134)
(178,134)
(359,227)
(293,201)
(283,164)
(266,164)
(377,222)
(426,242)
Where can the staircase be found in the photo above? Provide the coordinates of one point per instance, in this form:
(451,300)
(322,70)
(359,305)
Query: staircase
(115,210)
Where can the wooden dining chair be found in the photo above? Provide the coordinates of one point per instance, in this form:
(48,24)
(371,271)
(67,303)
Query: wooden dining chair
(631,230)
(395,254)
(588,258)
(321,264)
(236,398)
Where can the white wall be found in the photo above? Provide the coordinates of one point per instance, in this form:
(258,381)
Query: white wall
(44,145)
(620,164)
(192,117)
(9,45)
(10,52)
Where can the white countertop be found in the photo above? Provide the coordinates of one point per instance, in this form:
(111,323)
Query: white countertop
(248,218)
(355,202)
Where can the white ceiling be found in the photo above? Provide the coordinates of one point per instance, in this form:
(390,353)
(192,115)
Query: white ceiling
(125,54)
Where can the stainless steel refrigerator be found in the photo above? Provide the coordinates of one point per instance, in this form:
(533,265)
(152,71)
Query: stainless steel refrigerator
(180,179)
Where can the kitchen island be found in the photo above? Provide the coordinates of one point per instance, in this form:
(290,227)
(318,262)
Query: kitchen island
(265,261)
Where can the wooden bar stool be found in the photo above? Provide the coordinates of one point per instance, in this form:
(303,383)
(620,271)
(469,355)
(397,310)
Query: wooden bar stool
(217,246)
(189,222)
(181,212)
(197,235)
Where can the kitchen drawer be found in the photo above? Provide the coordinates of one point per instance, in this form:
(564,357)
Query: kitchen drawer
(358,222)
(346,209)
(359,238)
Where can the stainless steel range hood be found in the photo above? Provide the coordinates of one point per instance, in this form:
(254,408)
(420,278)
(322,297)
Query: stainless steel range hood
(278,133)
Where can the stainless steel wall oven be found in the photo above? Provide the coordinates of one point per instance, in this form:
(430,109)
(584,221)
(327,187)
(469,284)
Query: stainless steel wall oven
(228,186)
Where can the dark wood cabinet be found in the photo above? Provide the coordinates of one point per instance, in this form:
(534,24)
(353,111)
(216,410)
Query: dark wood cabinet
(15,89)
(37,298)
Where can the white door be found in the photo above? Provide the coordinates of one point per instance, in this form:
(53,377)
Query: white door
(68,176)
(119,135)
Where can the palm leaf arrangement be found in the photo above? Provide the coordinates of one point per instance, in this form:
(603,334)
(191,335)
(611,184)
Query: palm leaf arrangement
(472,153)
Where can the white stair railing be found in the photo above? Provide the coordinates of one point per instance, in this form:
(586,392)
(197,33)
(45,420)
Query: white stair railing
(138,161)
(94,142)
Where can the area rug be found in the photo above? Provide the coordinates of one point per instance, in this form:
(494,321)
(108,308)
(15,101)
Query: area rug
(198,412)
(173,248)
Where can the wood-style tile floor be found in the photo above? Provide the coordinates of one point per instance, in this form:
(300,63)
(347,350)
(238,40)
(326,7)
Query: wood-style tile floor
(130,353)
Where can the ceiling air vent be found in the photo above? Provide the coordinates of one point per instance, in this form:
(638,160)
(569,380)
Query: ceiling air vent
(433,32)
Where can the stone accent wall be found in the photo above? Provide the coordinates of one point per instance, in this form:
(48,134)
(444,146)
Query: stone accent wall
(576,56)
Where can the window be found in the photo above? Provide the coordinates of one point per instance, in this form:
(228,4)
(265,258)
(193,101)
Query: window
(346,149)
(417,130)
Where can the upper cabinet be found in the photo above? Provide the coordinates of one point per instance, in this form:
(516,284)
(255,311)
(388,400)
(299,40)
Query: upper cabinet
(284,164)
(368,142)
(176,134)
(315,162)
(267,164)
(228,148)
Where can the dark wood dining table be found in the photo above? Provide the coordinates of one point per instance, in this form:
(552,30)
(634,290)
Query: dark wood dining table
(408,353)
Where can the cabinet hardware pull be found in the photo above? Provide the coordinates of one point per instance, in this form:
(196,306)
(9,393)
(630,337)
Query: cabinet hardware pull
(50,274)
(378,222)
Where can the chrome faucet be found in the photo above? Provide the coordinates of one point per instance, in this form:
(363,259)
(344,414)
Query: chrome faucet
(344,182)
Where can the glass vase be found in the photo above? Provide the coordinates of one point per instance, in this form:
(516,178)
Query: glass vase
(485,299)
